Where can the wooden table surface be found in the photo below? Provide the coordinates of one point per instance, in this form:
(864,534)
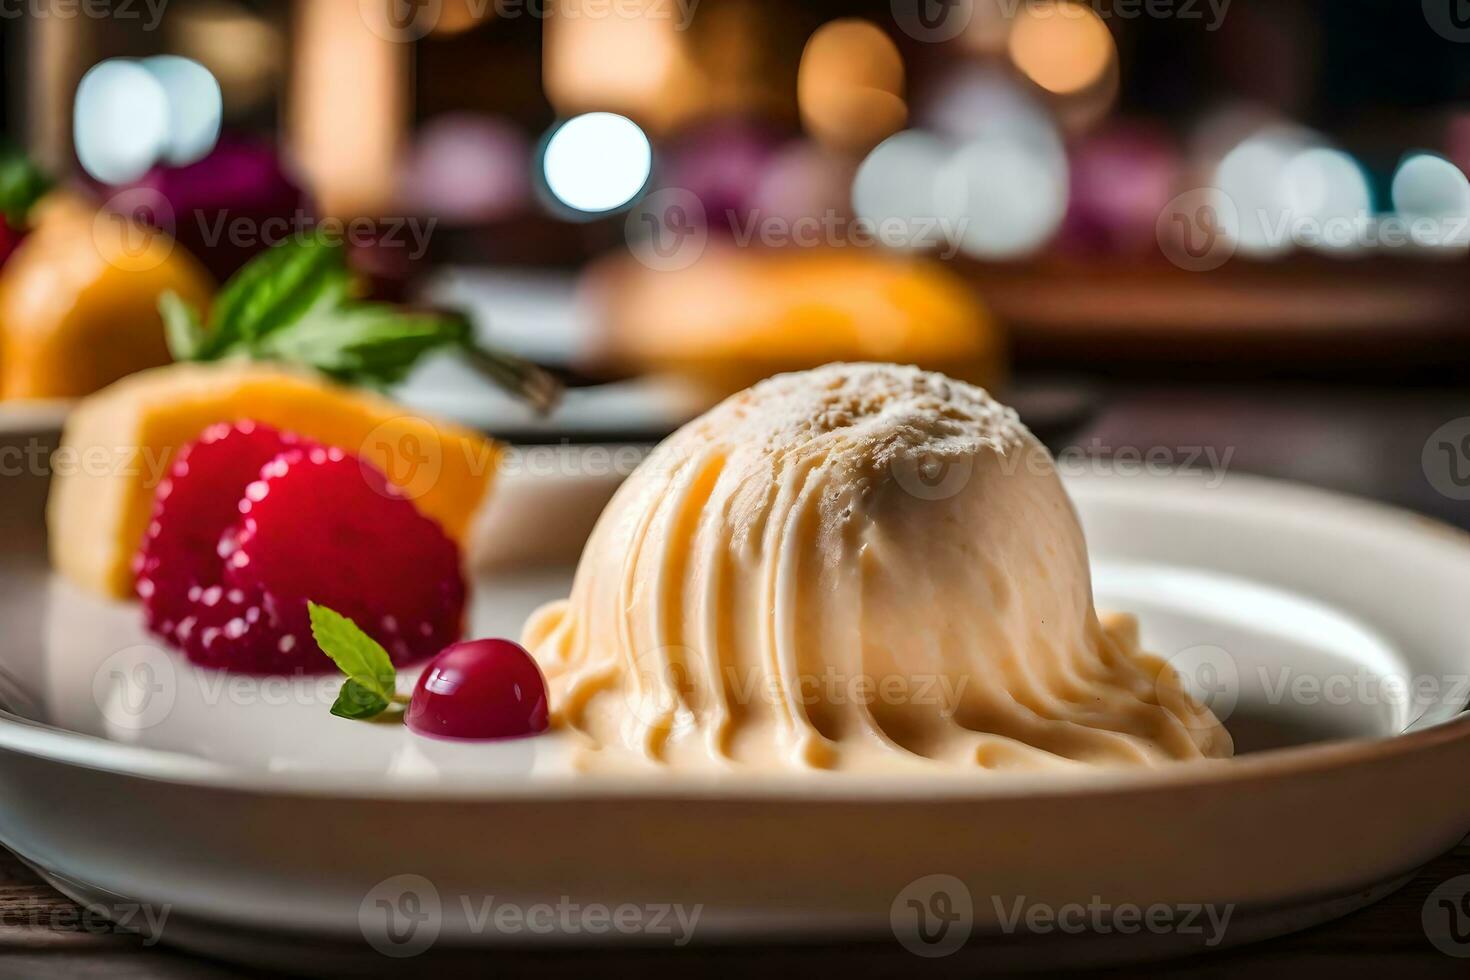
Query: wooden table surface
(1366,442)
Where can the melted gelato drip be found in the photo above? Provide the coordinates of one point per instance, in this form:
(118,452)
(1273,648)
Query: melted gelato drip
(862,567)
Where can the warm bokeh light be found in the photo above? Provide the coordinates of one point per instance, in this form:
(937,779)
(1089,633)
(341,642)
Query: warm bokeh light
(458,16)
(350,90)
(597,162)
(989,26)
(241,48)
(850,86)
(626,64)
(120,121)
(1062,46)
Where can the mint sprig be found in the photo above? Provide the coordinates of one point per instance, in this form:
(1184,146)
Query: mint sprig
(295,303)
(22,183)
(371,685)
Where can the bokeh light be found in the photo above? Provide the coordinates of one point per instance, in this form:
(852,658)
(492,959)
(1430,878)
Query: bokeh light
(467,168)
(243,48)
(1330,188)
(1006,190)
(850,85)
(1062,46)
(1123,176)
(597,162)
(897,180)
(973,100)
(195,107)
(120,121)
(629,64)
(1253,177)
(801,180)
(1427,186)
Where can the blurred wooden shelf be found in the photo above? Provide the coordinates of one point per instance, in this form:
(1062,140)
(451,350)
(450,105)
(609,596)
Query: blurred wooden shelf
(1303,314)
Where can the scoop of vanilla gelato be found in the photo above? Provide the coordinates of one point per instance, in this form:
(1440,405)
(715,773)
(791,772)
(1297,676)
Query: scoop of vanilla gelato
(861,567)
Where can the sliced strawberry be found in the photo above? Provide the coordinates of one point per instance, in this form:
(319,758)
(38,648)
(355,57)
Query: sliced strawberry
(321,525)
(195,505)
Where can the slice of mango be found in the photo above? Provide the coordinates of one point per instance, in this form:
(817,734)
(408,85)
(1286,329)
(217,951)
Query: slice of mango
(79,300)
(118,445)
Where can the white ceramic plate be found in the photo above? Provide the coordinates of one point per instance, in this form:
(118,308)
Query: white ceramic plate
(240,805)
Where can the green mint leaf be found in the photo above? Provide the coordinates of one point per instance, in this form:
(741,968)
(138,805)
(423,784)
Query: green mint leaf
(294,304)
(357,702)
(357,655)
(181,327)
(368,343)
(21,184)
(276,289)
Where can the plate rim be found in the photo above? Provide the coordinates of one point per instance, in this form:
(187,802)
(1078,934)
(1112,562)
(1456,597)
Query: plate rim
(19,735)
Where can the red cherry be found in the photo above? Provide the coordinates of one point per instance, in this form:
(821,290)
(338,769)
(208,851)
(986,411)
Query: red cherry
(480,689)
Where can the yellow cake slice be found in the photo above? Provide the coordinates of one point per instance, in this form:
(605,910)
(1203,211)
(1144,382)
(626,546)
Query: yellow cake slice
(118,444)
